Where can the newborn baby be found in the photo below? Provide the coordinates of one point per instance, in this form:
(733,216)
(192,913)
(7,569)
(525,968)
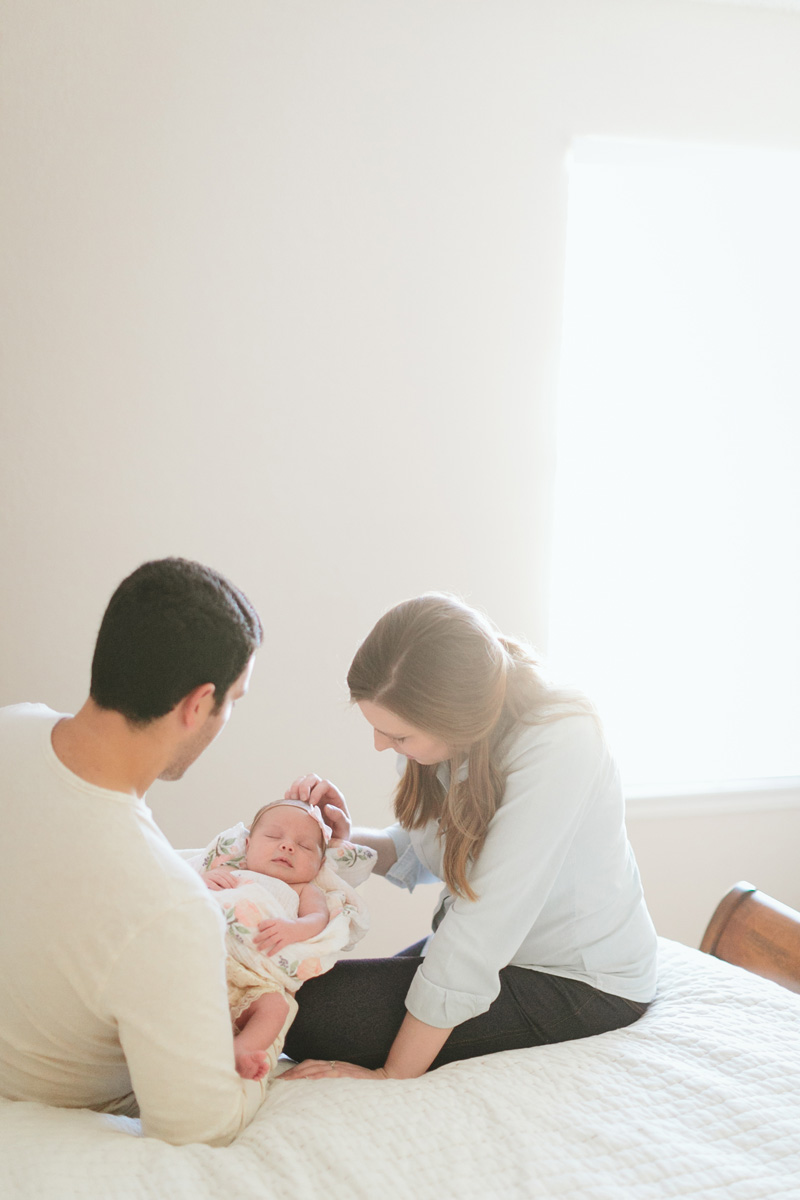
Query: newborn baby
(284,854)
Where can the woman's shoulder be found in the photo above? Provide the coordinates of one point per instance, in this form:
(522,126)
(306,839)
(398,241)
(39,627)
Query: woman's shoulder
(575,733)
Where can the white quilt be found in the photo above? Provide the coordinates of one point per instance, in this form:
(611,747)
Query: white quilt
(701,1098)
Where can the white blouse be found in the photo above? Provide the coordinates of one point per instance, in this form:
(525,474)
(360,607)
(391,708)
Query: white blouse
(557,885)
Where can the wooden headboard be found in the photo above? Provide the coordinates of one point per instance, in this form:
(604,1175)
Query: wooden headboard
(758,933)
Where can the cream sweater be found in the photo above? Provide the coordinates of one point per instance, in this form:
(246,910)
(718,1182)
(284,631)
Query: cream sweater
(112,958)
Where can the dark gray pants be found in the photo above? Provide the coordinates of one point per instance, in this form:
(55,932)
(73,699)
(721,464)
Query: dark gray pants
(355,1010)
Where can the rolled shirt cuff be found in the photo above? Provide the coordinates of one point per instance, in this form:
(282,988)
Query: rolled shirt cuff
(442,1007)
(407,871)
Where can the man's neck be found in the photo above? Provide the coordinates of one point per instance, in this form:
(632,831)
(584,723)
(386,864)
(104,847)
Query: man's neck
(103,748)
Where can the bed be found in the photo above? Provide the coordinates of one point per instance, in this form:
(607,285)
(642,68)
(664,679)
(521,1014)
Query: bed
(701,1098)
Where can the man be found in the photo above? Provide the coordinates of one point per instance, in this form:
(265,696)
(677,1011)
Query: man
(112,972)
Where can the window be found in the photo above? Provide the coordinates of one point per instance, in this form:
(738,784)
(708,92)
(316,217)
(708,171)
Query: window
(676,563)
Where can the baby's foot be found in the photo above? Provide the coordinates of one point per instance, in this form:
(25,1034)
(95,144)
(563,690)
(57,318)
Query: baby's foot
(251,1064)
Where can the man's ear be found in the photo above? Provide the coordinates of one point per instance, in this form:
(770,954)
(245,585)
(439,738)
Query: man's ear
(195,707)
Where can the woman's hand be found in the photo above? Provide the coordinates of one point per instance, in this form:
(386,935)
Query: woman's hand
(324,1068)
(312,789)
(412,1052)
(219,878)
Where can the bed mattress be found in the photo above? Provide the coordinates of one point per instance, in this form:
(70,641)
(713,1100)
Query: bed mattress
(701,1098)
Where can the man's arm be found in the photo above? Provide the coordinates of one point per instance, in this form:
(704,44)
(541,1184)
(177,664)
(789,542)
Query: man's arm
(167,994)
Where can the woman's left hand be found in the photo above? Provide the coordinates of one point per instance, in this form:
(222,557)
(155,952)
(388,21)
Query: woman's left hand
(313,789)
(331,1068)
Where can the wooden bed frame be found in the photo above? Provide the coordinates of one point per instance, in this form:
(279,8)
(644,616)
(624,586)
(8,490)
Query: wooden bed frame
(753,931)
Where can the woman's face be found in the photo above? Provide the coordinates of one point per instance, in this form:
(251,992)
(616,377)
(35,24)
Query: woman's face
(393,733)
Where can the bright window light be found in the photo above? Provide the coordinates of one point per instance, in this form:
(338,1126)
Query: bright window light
(676,569)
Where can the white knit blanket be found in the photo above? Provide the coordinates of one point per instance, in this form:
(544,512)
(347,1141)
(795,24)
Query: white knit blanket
(700,1098)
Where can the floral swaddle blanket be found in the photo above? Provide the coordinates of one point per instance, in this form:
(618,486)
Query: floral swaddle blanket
(258,897)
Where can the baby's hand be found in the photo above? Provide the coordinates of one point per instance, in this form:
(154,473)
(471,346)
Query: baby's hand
(218,878)
(274,934)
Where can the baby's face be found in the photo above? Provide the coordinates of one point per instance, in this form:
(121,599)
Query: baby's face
(287,844)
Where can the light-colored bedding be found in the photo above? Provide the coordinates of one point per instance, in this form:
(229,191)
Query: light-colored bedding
(701,1098)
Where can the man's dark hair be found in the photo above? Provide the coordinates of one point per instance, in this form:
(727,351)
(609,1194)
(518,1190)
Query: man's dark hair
(170,627)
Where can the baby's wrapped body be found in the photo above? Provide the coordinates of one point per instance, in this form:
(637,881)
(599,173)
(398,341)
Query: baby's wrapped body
(251,972)
(258,897)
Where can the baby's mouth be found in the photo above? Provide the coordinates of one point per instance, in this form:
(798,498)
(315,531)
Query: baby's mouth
(279,859)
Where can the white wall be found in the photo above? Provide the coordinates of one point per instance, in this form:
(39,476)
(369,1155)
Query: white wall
(280,291)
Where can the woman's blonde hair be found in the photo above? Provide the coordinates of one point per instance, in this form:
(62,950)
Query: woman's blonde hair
(443,667)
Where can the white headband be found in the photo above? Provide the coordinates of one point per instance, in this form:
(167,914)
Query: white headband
(311,809)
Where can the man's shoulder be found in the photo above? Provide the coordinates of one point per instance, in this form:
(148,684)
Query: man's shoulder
(144,849)
(23,729)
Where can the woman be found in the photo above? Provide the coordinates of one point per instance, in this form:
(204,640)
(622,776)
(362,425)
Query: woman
(509,795)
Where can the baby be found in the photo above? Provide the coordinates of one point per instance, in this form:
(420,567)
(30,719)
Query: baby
(283,855)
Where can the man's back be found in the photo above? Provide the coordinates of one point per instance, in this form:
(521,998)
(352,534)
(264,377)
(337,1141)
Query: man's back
(111,953)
